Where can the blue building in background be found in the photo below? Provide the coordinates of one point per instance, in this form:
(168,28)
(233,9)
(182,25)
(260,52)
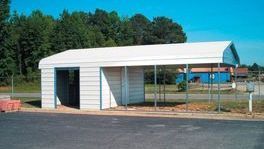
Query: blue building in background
(202,75)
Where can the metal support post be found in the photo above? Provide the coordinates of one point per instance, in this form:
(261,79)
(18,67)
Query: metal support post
(144,84)
(12,90)
(159,84)
(164,81)
(218,97)
(126,87)
(211,83)
(208,87)
(250,102)
(236,82)
(259,83)
(155,87)
(187,87)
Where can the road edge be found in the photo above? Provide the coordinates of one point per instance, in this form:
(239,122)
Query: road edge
(189,115)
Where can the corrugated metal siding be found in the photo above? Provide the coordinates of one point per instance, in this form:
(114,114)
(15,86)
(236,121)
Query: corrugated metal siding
(111,87)
(89,88)
(47,88)
(136,84)
(124,99)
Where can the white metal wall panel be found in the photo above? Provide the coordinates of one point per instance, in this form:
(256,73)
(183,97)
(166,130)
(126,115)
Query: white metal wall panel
(111,87)
(124,98)
(47,88)
(136,84)
(90,88)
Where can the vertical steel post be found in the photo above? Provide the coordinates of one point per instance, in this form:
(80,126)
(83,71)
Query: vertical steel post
(155,87)
(208,86)
(211,83)
(259,83)
(236,82)
(144,84)
(12,89)
(187,87)
(164,77)
(159,84)
(250,102)
(218,86)
(126,86)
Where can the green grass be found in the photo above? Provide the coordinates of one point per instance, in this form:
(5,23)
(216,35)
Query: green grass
(31,87)
(30,102)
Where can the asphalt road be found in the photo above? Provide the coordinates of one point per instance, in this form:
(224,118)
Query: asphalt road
(47,130)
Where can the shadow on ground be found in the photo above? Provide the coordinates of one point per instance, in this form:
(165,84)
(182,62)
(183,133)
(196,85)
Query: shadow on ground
(35,103)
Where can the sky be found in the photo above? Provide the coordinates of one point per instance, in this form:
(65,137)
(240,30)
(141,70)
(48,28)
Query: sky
(241,21)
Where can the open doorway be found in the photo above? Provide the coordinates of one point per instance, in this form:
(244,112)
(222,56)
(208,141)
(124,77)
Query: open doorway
(67,87)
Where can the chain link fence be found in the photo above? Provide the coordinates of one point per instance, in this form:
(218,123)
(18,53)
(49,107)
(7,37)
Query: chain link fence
(20,86)
(202,95)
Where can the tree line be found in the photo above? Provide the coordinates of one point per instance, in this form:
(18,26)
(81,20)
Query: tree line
(254,67)
(25,39)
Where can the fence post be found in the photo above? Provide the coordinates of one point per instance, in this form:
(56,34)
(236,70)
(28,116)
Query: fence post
(218,86)
(259,83)
(155,87)
(211,83)
(159,84)
(12,84)
(236,81)
(187,87)
(164,77)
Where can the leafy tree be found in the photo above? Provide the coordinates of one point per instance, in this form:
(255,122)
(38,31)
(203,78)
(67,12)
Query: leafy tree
(101,21)
(254,67)
(71,32)
(6,61)
(41,27)
(167,31)
(109,43)
(14,42)
(25,40)
(140,25)
(124,36)
(30,39)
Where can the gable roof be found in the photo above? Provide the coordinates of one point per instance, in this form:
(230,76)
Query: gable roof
(160,54)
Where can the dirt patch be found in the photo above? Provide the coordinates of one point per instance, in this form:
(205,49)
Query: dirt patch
(179,106)
(5,88)
(225,106)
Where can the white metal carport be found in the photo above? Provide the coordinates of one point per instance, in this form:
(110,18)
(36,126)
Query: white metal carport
(96,66)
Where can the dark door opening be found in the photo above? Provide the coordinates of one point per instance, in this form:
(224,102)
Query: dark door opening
(68,87)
